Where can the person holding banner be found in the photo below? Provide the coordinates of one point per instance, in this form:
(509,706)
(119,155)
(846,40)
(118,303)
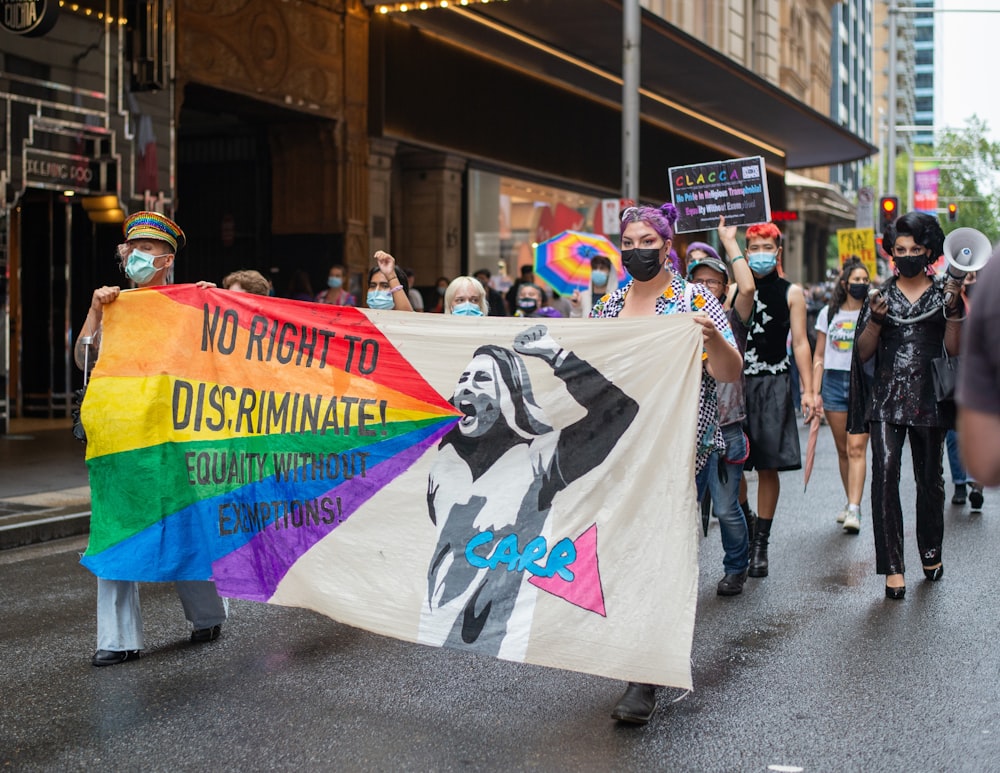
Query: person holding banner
(904,327)
(388,287)
(720,479)
(771,425)
(466,297)
(245,281)
(647,235)
(147,257)
(835,328)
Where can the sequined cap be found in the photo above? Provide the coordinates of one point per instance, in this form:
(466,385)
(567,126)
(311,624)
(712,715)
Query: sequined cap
(153,225)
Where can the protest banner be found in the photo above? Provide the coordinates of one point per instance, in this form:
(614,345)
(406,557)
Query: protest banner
(736,188)
(859,243)
(492,485)
(926,179)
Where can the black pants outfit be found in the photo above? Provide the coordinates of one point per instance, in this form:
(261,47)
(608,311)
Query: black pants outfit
(926,448)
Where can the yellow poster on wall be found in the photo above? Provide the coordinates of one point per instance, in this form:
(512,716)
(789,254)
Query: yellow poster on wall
(859,243)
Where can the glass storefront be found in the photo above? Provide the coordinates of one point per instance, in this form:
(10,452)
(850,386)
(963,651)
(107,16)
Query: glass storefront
(509,216)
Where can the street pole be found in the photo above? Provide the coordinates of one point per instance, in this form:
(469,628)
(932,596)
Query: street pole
(890,189)
(631,34)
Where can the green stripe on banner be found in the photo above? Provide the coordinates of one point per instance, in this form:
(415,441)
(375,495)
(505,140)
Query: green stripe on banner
(168,477)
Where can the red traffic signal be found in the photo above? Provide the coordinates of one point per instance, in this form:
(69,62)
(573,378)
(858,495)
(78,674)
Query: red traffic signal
(888,211)
(952,212)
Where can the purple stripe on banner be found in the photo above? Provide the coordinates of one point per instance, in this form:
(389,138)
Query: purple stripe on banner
(253,571)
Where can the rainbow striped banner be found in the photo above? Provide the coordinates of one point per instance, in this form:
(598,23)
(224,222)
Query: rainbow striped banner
(492,485)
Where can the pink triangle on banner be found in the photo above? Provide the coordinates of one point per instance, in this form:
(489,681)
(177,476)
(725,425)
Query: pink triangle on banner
(584,590)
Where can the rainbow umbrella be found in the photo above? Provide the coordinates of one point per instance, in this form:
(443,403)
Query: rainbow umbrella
(563,262)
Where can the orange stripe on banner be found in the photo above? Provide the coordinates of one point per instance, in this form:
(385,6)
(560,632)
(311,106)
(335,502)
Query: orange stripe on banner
(164,320)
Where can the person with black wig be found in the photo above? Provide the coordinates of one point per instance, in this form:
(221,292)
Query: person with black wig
(910,322)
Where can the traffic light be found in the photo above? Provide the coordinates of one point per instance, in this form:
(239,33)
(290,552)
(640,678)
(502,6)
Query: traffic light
(952,212)
(888,211)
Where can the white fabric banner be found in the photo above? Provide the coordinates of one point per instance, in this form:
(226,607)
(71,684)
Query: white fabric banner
(514,487)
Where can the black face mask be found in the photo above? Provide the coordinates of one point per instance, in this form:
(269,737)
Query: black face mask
(858,290)
(911,265)
(642,264)
(527,305)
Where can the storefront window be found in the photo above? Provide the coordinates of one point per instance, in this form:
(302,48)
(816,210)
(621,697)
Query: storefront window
(508,217)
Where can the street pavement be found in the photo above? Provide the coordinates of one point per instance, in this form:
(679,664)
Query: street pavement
(810,669)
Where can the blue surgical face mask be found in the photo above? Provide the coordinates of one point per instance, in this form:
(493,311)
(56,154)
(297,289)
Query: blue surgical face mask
(140,268)
(763,262)
(599,277)
(380,299)
(467,309)
(334,282)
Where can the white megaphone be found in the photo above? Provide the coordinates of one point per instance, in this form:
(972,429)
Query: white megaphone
(965,250)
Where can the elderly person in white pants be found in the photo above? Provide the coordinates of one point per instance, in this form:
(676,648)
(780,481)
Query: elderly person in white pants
(147,256)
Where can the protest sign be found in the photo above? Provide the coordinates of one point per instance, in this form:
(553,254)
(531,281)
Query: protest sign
(736,188)
(859,243)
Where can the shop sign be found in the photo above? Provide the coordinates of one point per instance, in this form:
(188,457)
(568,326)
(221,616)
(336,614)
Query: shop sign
(736,188)
(59,171)
(31,18)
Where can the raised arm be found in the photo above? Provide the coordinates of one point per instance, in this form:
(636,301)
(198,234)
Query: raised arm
(746,286)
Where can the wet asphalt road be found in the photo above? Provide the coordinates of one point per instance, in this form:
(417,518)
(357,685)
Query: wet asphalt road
(811,669)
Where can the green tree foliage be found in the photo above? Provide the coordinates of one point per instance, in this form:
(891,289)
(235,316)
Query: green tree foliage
(971,178)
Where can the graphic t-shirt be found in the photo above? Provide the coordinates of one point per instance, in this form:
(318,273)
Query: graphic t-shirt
(839,337)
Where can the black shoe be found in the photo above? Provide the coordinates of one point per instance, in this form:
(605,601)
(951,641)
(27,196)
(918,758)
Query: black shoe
(934,574)
(113,657)
(732,584)
(959,496)
(976,499)
(202,635)
(636,705)
(895,593)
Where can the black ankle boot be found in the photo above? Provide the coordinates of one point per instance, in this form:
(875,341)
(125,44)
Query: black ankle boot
(758,549)
(637,704)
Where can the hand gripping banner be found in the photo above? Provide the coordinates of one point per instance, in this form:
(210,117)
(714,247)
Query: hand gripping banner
(492,485)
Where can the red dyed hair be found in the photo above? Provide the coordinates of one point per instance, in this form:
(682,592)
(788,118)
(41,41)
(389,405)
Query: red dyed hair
(764,231)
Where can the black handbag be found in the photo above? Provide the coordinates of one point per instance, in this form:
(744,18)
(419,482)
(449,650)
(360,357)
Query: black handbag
(78,431)
(944,371)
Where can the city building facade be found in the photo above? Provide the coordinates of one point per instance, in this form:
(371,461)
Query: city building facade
(289,136)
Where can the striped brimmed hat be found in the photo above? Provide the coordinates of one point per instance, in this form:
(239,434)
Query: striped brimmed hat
(153,225)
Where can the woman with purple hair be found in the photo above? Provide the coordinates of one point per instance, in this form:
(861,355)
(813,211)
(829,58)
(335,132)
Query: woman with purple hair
(657,287)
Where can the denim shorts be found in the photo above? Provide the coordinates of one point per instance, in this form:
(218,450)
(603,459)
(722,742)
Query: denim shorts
(836,388)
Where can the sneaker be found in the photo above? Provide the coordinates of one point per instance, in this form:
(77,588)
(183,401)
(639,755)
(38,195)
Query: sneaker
(976,499)
(842,515)
(852,522)
(959,497)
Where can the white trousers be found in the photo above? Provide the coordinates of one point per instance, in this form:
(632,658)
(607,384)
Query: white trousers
(119,617)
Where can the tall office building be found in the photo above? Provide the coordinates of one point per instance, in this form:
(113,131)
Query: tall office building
(923,88)
(851,92)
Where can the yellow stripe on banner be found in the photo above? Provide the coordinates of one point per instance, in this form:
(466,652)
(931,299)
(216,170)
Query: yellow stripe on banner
(138,412)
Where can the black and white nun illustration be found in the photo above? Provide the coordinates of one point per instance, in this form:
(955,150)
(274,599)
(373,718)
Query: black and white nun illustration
(497,472)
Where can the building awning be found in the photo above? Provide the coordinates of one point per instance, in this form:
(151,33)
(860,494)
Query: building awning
(687,87)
